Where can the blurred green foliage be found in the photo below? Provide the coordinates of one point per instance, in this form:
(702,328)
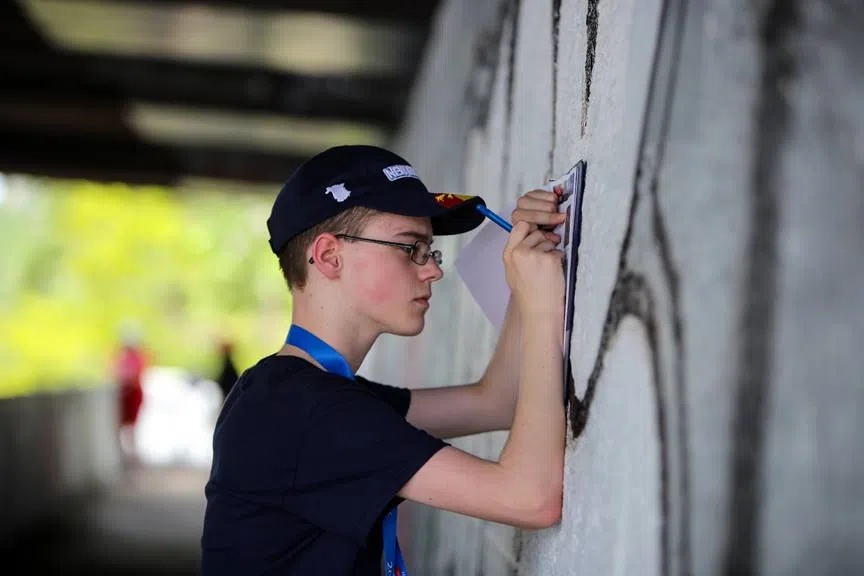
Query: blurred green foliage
(82,262)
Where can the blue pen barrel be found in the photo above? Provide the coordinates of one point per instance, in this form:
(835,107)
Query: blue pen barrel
(494,217)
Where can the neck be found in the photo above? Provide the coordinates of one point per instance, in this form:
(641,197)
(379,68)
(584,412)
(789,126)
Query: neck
(328,324)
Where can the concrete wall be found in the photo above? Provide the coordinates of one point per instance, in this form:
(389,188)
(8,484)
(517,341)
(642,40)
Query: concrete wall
(56,449)
(720,290)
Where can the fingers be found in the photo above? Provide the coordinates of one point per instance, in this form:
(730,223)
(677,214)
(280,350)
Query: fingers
(540,241)
(538,207)
(525,235)
(539,217)
(535,239)
(521,229)
(552,237)
(542,195)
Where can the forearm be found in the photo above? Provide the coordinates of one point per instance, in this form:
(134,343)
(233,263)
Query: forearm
(500,381)
(486,405)
(535,448)
(525,487)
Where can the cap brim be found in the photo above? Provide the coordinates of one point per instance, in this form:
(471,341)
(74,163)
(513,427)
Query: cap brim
(450,213)
(460,218)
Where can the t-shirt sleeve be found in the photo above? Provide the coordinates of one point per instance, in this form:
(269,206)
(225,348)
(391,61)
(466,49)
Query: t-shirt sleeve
(398,398)
(355,455)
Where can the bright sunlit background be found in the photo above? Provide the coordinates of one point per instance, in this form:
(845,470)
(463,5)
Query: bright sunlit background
(198,111)
(84,263)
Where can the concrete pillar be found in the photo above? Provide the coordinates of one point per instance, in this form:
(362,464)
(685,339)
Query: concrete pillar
(720,290)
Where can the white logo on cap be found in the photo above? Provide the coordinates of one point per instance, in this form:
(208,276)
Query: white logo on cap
(339,192)
(398,171)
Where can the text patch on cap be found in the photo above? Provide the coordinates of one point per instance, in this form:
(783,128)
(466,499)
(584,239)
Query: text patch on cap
(398,171)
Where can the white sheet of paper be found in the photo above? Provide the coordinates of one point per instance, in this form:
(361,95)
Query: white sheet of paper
(481,267)
(480,263)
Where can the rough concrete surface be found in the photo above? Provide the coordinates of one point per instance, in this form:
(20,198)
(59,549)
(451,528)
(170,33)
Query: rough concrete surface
(719,300)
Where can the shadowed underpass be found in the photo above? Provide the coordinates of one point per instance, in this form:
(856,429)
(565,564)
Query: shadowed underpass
(149,523)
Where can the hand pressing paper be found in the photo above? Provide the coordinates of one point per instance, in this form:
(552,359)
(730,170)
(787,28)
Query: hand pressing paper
(480,262)
(570,188)
(481,266)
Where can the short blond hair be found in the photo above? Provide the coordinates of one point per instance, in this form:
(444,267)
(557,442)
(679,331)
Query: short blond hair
(292,258)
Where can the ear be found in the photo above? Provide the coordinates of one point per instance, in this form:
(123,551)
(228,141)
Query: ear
(326,256)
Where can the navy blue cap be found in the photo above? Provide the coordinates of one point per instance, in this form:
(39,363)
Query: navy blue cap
(347,176)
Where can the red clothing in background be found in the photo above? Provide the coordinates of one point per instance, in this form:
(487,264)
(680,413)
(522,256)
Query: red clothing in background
(129,369)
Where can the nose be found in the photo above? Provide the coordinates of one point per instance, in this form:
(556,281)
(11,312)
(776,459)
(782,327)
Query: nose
(431,271)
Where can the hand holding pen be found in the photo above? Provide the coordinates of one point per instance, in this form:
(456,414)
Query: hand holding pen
(537,207)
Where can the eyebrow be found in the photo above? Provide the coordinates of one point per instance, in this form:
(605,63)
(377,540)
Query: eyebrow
(416,236)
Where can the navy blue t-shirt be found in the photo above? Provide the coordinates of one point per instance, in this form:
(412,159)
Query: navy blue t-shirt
(306,464)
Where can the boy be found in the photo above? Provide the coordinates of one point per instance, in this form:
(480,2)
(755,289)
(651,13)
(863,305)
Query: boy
(309,460)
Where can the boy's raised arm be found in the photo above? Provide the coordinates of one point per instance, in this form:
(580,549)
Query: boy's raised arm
(524,488)
(490,403)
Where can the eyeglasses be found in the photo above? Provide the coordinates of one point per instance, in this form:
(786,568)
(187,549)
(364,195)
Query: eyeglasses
(419,251)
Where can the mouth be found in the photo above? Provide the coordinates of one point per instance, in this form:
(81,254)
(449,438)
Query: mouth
(423,301)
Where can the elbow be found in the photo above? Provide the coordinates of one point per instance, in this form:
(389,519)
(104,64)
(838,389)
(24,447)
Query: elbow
(550,514)
(535,496)
(545,511)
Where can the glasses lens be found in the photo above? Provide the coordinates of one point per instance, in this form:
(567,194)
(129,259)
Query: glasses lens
(421,252)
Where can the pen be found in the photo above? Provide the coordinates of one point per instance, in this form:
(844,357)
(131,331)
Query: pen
(494,217)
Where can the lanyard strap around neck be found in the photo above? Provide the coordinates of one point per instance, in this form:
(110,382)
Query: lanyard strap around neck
(394,564)
(332,361)
(319,350)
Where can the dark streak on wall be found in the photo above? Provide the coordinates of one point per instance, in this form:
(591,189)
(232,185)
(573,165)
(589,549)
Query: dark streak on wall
(779,22)
(672,282)
(591,22)
(632,296)
(579,411)
(518,542)
(672,278)
(487,52)
(556,27)
(514,6)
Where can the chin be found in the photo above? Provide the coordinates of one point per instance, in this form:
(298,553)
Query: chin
(408,327)
(408,331)
(417,330)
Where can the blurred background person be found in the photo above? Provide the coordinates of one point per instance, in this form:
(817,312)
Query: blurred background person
(129,366)
(228,372)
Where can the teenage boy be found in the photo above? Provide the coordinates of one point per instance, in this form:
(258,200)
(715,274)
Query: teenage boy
(310,461)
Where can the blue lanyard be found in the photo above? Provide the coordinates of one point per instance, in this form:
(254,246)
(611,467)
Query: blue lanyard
(332,361)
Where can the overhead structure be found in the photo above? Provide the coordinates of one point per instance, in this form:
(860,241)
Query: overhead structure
(158,91)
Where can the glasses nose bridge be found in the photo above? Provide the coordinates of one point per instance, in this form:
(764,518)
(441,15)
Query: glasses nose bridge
(431,269)
(435,256)
(420,253)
